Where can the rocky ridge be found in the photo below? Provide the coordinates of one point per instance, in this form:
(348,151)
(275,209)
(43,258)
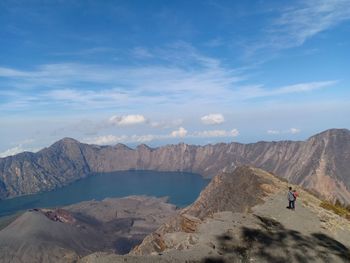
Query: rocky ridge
(321,163)
(238,191)
(255,228)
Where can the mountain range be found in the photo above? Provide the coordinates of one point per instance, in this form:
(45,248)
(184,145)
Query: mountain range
(321,163)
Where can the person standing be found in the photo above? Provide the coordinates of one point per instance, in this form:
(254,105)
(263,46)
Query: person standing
(291,199)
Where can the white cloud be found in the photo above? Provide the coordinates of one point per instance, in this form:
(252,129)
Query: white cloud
(141,53)
(215,42)
(274,132)
(234,132)
(87,51)
(259,91)
(166,124)
(127,120)
(304,87)
(9,73)
(212,119)
(212,133)
(85,97)
(23,146)
(113,139)
(300,22)
(216,133)
(143,138)
(106,139)
(17,149)
(12,151)
(181,132)
(188,78)
(290,131)
(294,130)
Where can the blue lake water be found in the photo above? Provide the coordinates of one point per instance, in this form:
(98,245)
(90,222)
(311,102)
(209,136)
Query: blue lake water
(181,188)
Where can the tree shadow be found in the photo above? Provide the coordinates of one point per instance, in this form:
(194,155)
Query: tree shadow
(213,260)
(272,242)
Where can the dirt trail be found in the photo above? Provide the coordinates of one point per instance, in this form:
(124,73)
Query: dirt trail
(302,219)
(307,218)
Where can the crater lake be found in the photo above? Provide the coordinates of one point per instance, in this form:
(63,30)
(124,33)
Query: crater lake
(181,188)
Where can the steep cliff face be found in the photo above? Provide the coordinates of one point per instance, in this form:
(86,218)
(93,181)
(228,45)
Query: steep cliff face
(321,163)
(52,167)
(238,191)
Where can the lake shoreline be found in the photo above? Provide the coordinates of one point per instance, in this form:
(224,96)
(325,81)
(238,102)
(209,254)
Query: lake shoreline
(182,188)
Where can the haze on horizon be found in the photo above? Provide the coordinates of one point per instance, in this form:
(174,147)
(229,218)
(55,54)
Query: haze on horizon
(159,72)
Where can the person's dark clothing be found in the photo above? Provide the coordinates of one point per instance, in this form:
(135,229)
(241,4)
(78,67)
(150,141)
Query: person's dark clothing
(291,199)
(291,204)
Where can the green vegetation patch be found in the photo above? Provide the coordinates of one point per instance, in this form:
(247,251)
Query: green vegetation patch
(337,208)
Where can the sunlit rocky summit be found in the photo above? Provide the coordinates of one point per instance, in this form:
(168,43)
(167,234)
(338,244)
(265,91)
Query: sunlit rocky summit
(321,163)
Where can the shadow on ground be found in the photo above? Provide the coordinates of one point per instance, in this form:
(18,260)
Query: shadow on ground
(272,242)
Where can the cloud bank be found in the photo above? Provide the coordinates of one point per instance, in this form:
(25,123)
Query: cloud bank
(127,120)
(181,132)
(213,119)
(289,131)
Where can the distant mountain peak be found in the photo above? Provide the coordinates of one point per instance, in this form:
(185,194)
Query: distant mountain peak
(65,142)
(122,146)
(332,132)
(143,146)
(68,140)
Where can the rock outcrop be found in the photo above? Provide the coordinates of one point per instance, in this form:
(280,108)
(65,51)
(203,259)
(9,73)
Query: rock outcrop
(238,191)
(321,163)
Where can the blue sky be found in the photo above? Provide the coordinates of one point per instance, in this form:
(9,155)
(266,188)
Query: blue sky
(160,72)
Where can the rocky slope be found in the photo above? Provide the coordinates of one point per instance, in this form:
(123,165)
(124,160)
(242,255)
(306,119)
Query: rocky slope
(234,223)
(65,235)
(238,191)
(321,163)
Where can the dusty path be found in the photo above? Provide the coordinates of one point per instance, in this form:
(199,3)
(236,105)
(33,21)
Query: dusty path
(302,235)
(307,218)
(302,219)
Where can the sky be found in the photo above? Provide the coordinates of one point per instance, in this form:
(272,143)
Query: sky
(162,72)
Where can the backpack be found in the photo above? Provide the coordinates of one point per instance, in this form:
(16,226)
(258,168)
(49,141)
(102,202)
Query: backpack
(295,194)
